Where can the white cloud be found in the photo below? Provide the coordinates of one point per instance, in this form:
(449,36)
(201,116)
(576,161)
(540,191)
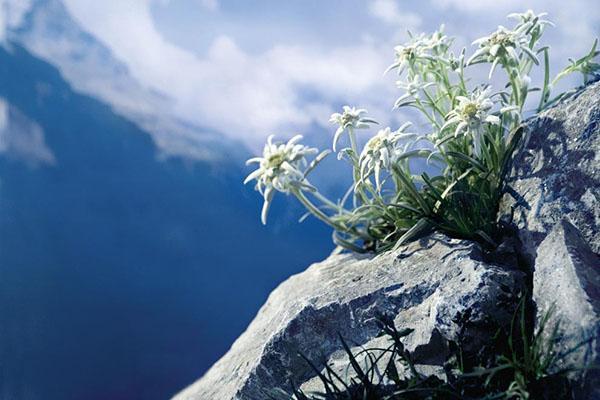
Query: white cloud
(480,5)
(288,87)
(11,14)
(244,95)
(22,139)
(389,12)
(211,5)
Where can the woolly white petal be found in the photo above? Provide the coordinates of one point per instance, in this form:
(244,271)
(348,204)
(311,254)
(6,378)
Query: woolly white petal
(253,175)
(492,119)
(336,137)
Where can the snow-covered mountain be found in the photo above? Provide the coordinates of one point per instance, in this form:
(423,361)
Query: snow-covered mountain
(45,29)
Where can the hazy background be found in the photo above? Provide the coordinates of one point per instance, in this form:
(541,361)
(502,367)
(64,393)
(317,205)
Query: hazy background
(131,256)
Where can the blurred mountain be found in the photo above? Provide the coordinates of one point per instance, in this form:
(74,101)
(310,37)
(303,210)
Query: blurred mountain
(47,30)
(131,256)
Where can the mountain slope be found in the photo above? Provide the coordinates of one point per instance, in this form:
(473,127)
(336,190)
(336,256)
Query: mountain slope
(123,276)
(47,30)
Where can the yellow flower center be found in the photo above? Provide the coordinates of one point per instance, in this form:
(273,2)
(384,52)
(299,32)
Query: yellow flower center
(408,53)
(501,38)
(375,143)
(275,160)
(470,110)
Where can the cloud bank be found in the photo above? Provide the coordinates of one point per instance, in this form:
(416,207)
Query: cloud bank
(290,87)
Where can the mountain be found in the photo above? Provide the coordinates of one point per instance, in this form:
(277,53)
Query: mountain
(126,269)
(47,30)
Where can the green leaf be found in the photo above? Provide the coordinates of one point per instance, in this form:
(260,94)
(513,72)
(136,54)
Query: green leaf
(359,372)
(420,229)
(470,160)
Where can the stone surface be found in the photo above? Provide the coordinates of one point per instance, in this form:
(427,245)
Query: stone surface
(557,213)
(440,287)
(567,280)
(556,176)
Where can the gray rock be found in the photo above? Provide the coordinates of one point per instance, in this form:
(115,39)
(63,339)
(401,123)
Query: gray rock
(557,214)
(557,174)
(566,280)
(440,287)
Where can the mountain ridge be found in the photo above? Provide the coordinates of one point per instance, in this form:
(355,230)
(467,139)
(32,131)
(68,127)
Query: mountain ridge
(47,30)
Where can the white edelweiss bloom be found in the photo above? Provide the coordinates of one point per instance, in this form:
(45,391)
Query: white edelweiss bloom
(438,41)
(381,151)
(409,53)
(419,48)
(350,118)
(471,115)
(279,169)
(412,87)
(531,18)
(503,43)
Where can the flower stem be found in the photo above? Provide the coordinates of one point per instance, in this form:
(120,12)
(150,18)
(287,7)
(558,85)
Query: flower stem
(314,210)
(356,167)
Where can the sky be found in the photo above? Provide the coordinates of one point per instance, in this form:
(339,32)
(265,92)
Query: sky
(250,69)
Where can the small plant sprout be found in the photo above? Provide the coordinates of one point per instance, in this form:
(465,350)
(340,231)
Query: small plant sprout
(472,133)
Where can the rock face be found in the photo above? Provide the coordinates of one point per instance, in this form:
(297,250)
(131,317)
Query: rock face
(439,287)
(566,281)
(557,215)
(557,174)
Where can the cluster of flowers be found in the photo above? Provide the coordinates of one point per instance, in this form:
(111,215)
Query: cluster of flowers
(467,124)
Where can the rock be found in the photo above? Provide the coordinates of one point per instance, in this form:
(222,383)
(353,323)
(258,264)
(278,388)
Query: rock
(446,290)
(567,280)
(556,215)
(556,176)
(440,287)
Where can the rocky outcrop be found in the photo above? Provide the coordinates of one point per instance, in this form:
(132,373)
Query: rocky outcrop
(566,284)
(556,175)
(447,290)
(556,182)
(440,287)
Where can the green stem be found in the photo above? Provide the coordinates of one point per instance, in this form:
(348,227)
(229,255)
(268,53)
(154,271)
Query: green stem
(314,210)
(545,90)
(328,202)
(434,104)
(356,167)
(429,117)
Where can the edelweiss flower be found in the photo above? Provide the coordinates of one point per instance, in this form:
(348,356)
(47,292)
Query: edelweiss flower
(535,22)
(381,151)
(350,118)
(421,47)
(279,169)
(413,87)
(438,41)
(501,44)
(471,115)
(407,54)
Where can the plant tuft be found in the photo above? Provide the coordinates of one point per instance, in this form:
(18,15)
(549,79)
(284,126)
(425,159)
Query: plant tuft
(474,132)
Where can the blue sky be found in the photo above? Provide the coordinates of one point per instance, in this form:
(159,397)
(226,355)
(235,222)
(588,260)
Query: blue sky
(249,69)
